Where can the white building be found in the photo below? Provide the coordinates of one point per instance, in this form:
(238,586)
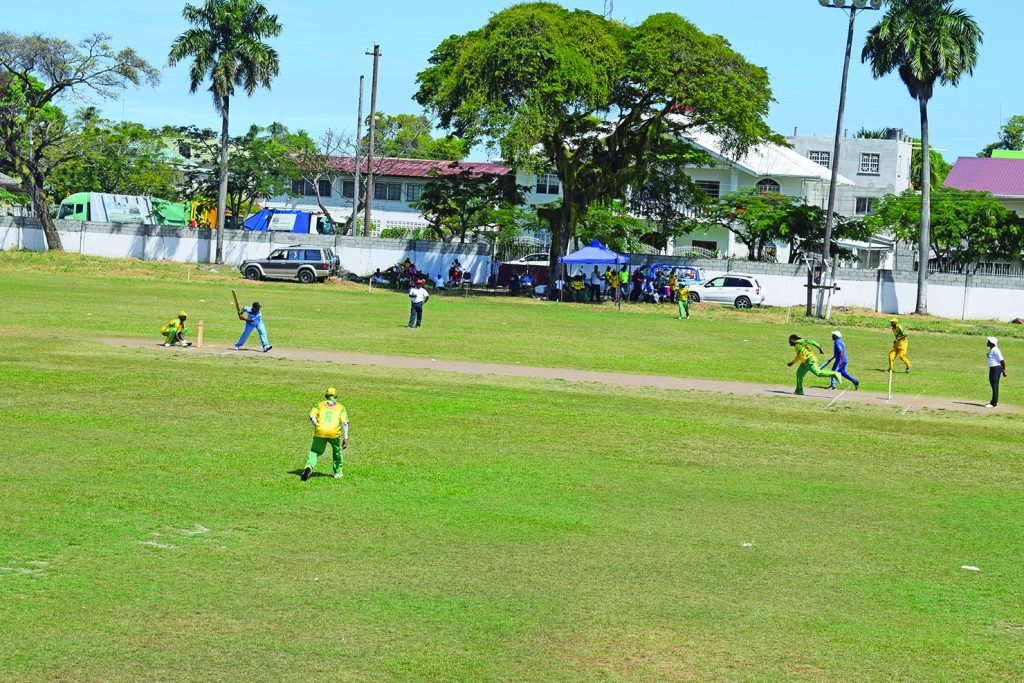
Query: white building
(876,167)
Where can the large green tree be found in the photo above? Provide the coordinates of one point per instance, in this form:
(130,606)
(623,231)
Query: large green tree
(411,136)
(225,44)
(760,219)
(967,227)
(259,166)
(1011,136)
(36,72)
(595,101)
(458,200)
(926,42)
(117,157)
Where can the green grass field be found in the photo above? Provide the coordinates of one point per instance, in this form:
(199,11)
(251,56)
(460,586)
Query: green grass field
(487,529)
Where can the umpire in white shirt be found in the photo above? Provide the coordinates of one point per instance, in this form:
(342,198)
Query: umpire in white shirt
(996,370)
(417,296)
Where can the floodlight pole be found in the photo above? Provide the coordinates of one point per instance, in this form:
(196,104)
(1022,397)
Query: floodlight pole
(834,161)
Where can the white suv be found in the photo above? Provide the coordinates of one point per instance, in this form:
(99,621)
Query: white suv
(743,291)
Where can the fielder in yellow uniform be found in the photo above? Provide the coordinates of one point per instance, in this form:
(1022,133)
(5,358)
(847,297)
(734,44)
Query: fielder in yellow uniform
(899,346)
(330,421)
(808,362)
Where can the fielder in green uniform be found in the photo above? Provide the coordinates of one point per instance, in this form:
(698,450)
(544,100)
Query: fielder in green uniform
(808,362)
(330,420)
(684,301)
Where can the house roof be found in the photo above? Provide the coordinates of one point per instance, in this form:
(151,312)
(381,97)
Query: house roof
(417,168)
(1001,177)
(766,160)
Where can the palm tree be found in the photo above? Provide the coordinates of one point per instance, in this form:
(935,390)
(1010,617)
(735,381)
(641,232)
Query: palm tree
(925,41)
(225,45)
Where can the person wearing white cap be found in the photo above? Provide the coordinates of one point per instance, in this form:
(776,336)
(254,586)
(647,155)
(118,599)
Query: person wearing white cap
(839,360)
(996,369)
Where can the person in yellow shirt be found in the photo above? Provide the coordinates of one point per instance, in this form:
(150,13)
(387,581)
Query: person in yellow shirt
(330,426)
(899,345)
(808,362)
(174,331)
(683,298)
(673,286)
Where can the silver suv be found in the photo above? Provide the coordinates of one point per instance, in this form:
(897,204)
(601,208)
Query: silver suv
(296,262)
(741,290)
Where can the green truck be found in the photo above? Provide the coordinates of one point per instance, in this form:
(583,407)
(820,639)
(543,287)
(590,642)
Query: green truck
(121,208)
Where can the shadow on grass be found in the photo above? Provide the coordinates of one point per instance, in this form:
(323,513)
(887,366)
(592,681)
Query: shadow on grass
(298,473)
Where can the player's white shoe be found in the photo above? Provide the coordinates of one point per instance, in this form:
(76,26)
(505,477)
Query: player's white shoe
(989,405)
(238,348)
(338,475)
(166,344)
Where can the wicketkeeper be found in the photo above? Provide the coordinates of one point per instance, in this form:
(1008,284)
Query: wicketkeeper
(174,331)
(330,421)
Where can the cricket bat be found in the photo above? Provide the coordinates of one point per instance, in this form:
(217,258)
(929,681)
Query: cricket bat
(238,306)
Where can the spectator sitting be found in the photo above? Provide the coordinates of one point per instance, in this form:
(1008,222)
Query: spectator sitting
(576,285)
(439,282)
(378,278)
(513,284)
(649,293)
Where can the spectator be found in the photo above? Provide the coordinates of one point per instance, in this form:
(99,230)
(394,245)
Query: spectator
(611,278)
(650,296)
(439,282)
(576,285)
(624,282)
(513,284)
(673,283)
(638,283)
(556,291)
(595,286)
(378,278)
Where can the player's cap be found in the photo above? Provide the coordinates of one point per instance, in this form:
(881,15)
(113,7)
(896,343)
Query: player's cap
(894,320)
(182,314)
(331,393)
(993,341)
(837,333)
(420,282)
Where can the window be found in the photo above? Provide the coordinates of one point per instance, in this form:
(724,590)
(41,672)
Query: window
(717,282)
(296,254)
(390,191)
(768,185)
(279,255)
(413,192)
(65,210)
(348,189)
(313,255)
(303,188)
(870,163)
(705,244)
(711,188)
(819,157)
(547,184)
(865,206)
(325,187)
(737,282)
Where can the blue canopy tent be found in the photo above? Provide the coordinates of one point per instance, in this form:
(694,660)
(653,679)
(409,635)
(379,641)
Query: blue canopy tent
(280,220)
(596,253)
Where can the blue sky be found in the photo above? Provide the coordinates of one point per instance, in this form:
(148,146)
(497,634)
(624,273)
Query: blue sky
(324,42)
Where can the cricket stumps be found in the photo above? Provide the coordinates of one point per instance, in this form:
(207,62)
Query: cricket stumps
(199,335)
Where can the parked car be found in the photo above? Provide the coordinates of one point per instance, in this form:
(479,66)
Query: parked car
(296,262)
(689,275)
(743,291)
(539,258)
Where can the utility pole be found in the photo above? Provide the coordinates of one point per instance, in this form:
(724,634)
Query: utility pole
(834,161)
(367,225)
(355,168)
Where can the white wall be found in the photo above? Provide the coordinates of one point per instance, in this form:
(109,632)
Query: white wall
(358,255)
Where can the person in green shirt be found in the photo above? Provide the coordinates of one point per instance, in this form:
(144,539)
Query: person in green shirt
(624,283)
(683,298)
(808,362)
(899,345)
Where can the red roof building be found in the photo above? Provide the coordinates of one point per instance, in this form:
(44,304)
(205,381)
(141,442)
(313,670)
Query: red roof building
(1004,178)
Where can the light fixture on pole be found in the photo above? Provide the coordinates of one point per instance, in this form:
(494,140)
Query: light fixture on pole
(853,6)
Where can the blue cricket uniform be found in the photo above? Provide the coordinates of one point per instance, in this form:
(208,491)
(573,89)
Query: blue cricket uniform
(839,352)
(253,321)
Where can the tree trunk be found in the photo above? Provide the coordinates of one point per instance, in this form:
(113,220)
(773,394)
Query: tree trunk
(42,209)
(925,241)
(222,191)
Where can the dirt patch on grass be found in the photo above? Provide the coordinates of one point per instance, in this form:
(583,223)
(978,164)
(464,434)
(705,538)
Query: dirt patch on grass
(904,403)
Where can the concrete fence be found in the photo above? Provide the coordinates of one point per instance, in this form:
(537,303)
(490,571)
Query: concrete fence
(988,297)
(360,255)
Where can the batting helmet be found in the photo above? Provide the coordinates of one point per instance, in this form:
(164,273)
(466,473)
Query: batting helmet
(331,393)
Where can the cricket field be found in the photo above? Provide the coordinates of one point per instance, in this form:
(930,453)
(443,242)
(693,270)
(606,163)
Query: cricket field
(490,528)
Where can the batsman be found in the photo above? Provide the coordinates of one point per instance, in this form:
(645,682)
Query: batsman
(330,426)
(808,362)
